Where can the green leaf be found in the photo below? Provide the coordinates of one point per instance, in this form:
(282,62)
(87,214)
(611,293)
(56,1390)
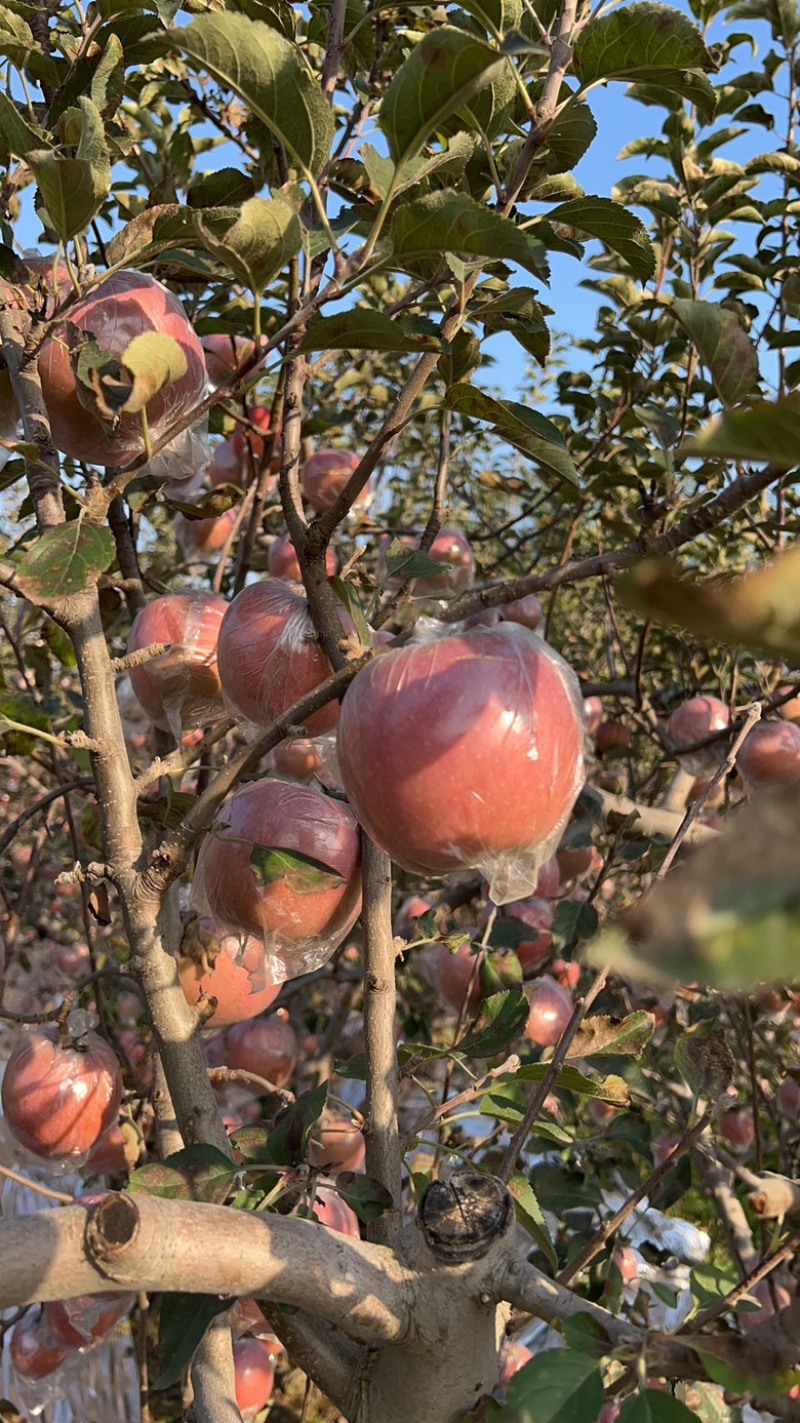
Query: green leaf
(300,873)
(20,135)
(65,560)
(362,329)
(559,1386)
(451,161)
(645,43)
(503,1018)
(287,1142)
(369,1199)
(571,135)
(704,1059)
(266,71)
(73,191)
(722,344)
(651,1406)
(497,16)
(159,228)
(153,360)
(211,506)
(766,432)
(443,72)
(519,426)
(227,187)
(452,222)
(258,245)
(569,1079)
(197,1173)
(529,1214)
(618,228)
(168,810)
(183,1320)
(408,562)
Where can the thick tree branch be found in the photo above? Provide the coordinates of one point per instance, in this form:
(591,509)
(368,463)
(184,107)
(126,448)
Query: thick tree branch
(43,471)
(383,1156)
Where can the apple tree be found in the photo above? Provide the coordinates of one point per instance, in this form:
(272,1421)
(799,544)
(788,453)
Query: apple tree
(398,801)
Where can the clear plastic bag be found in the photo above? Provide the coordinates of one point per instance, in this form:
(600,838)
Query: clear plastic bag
(59,1098)
(270,656)
(180,690)
(282,863)
(233,968)
(184,461)
(466,751)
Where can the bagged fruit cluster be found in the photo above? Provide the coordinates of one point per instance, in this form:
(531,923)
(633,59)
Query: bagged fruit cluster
(466,751)
(282,863)
(180,689)
(270,657)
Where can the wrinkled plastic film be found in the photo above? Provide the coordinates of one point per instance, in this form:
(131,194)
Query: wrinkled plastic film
(184,461)
(180,690)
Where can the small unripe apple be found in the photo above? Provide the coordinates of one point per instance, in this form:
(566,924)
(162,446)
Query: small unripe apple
(59,1099)
(333,1212)
(527,611)
(266,1047)
(254,1376)
(770,755)
(181,689)
(282,560)
(691,722)
(551,1010)
(326,474)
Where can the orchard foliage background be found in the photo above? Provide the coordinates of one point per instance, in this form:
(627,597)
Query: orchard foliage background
(370,194)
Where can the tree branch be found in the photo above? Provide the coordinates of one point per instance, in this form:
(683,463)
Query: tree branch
(383,1157)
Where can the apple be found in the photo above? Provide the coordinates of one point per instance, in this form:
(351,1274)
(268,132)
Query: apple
(602,1112)
(116,1152)
(334,1213)
(202,538)
(567,974)
(692,721)
(86,1319)
(34,1352)
(627,1263)
(337,1145)
(299,907)
(298,758)
(770,755)
(551,1010)
(282,560)
(464,752)
(593,713)
(225,465)
(409,911)
(266,1047)
(229,967)
(575,861)
(181,689)
(527,610)
(454,552)
(254,1376)
(537,915)
(59,1099)
(324,476)
(453,973)
(736,1126)
(612,736)
(270,657)
(513,1357)
(662,1148)
(610,1412)
(788,1098)
(790,711)
(247,1317)
(125,305)
(224,354)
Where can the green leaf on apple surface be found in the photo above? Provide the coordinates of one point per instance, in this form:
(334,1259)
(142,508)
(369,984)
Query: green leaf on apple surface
(558,1386)
(652,1406)
(453,222)
(722,344)
(410,563)
(258,244)
(502,1020)
(529,1214)
(362,329)
(266,71)
(603,1036)
(765,432)
(614,225)
(368,1198)
(288,1139)
(65,560)
(301,873)
(182,1322)
(526,429)
(443,72)
(197,1173)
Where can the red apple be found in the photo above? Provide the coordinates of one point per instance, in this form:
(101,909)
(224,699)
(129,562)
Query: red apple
(513,1357)
(282,561)
(548,883)
(790,711)
(627,1263)
(575,861)
(264,1046)
(527,610)
(125,305)
(181,689)
(567,974)
(333,1212)
(270,657)
(246,437)
(325,474)
(612,736)
(296,908)
(86,1319)
(453,973)
(409,911)
(224,353)
(201,538)
(248,1318)
(551,1010)
(736,1126)
(239,977)
(770,755)
(454,552)
(336,1144)
(788,1098)
(225,466)
(59,1100)
(602,1112)
(464,751)
(298,758)
(34,1352)
(692,721)
(254,1375)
